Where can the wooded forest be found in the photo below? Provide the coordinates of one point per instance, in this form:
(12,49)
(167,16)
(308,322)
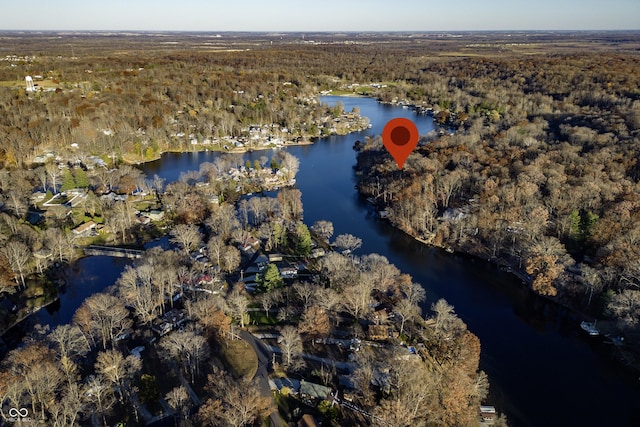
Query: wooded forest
(540,175)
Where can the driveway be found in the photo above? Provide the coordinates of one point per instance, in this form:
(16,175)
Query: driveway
(264,363)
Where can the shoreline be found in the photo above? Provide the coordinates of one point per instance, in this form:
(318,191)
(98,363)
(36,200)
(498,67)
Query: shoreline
(625,357)
(237,150)
(26,316)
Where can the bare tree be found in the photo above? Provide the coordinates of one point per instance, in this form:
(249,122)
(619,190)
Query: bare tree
(290,342)
(19,257)
(407,311)
(305,292)
(8,284)
(357,296)
(103,316)
(626,307)
(35,366)
(238,305)
(444,314)
(117,369)
(71,403)
(327,298)
(69,341)
(41,174)
(379,270)
(54,173)
(179,399)
(315,322)
(99,393)
(289,164)
(60,244)
(323,229)
(187,348)
(290,204)
(592,280)
(268,300)
(230,259)
(234,403)
(136,288)
(215,248)
(223,220)
(348,242)
(415,293)
(186,235)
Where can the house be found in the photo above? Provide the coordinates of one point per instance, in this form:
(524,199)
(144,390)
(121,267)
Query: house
(275,257)
(278,384)
(155,215)
(314,391)
(381,315)
(162,328)
(487,414)
(380,332)
(84,228)
(253,269)
(261,260)
(289,272)
(250,243)
(175,317)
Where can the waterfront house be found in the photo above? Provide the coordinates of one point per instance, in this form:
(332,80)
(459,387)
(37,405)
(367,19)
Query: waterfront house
(381,332)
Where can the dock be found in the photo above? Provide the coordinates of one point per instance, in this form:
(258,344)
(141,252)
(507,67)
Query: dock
(112,251)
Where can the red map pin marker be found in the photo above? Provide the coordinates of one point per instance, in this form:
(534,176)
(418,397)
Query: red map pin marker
(400,137)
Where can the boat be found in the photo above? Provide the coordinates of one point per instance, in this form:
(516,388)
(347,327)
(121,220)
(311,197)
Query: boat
(590,328)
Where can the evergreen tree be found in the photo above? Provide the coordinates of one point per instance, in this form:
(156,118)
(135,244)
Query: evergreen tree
(81,178)
(270,278)
(68,182)
(279,234)
(303,246)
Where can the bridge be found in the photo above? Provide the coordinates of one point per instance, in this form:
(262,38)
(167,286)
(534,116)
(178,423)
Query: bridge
(112,251)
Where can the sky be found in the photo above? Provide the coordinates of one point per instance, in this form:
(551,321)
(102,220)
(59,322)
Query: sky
(320,15)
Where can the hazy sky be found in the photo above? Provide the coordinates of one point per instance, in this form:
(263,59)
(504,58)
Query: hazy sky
(320,15)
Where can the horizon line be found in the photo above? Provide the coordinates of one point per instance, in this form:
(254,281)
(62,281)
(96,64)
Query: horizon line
(324,31)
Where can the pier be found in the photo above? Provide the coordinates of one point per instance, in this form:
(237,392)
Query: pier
(112,251)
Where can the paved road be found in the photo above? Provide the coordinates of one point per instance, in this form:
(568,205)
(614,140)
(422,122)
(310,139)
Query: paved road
(264,363)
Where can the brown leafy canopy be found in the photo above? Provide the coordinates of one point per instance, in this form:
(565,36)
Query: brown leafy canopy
(233,402)
(541,171)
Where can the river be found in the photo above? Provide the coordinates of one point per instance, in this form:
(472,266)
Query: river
(544,371)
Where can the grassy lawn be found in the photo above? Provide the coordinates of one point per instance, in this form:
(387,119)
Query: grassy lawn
(239,358)
(259,318)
